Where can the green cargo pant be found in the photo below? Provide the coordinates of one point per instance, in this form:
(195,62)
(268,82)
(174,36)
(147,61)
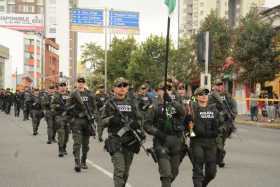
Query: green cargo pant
(81,136)
(62,131)
(121,161)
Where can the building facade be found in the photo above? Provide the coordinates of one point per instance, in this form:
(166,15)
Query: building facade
(51,66)
(4,56)
(15,64)
(25,6)
(193,12)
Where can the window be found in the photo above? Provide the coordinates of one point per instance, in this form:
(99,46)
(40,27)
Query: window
(2,8)
(201,12)
(31,9)
(201,4)
(11,8)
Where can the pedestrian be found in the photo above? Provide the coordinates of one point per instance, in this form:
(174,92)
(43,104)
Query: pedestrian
(49,114)
(36,110)
(164,123)
(205,119)
(226,105)
(253,106)
(120,116)
(59,109)
(84,108)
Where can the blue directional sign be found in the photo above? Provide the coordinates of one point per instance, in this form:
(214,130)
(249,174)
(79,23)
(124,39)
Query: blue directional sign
(91,17)
(124,19)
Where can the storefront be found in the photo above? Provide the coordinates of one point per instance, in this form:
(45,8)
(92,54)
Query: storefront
(4,55)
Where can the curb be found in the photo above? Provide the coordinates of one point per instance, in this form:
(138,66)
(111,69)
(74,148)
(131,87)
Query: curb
(259,124)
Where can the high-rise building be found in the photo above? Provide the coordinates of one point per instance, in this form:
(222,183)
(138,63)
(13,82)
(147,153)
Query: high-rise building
(193,12)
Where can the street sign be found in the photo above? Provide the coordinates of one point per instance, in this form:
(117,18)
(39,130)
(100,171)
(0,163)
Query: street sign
(124,20)
(87,20)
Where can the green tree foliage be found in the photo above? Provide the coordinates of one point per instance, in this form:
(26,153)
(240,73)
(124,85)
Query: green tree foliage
(93,55)
(254,49)
(147,62)
(119,57)
(220,39)
(183,65)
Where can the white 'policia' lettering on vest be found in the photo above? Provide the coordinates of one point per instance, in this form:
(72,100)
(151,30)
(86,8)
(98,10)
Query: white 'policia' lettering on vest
(124,108)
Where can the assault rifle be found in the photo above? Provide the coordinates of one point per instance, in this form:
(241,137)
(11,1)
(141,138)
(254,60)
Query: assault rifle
(90,117)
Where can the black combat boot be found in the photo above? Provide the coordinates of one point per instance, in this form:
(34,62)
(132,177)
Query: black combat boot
(77,165)
(60,152)
(64,150)
(84,162)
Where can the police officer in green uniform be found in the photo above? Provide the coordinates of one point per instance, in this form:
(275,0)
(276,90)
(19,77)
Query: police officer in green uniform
(9,97)
(228,110)
(144,102)
(36,111)
(48,113)
(84,104)
(121,142)
(101,98)
(167,129)
(27,100)
(205,119)
(17,103)
(58,106)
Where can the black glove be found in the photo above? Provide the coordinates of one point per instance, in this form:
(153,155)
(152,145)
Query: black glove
(116,119)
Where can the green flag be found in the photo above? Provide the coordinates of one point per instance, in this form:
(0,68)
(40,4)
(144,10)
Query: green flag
(171,4)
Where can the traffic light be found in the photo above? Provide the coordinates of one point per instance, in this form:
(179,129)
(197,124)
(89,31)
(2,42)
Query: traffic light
(201,47)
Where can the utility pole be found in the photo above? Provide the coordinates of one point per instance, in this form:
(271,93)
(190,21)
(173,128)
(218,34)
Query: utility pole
(106,49)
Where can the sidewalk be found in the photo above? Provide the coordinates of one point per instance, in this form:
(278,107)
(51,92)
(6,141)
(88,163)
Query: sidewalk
(246,120)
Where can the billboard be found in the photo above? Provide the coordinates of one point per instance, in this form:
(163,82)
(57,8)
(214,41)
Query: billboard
(124,21)
(87,20)
(22,22)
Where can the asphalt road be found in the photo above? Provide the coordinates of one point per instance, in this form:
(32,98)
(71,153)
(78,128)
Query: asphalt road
(27,161)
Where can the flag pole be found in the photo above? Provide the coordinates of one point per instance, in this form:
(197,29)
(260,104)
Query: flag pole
(166,65)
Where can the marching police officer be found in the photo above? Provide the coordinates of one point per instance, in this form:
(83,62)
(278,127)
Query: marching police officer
(228,110)
(58,106)
(27,100)
(48,113)
(165,124)
(36,111)
(2,96)
(9,97)
(203,123)
(84,108)
(17,103)
(120,117)
(101,98)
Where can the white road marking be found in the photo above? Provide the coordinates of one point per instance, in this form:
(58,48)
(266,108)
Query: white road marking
(109,174)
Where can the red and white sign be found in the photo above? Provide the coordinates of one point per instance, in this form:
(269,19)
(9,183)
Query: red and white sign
(22,22)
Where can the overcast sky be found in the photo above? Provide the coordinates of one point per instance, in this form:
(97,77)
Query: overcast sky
(153,17)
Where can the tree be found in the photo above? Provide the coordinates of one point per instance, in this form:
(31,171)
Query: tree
(183,65)
(220,39)
(93,55)
(147,62)
(254,49)
(119,57)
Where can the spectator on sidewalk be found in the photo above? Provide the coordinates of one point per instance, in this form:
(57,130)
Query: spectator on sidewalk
(276,105)
(253,106)
(262,105)
(270,107)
